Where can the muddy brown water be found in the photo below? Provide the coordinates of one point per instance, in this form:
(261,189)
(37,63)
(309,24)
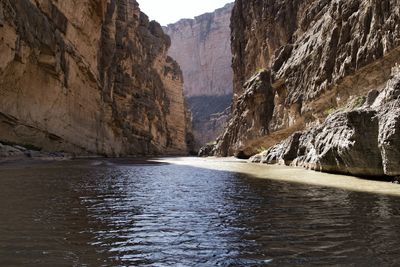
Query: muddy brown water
(192,212)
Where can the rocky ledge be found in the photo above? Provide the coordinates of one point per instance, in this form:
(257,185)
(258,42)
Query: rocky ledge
(319,55)
(360,139)
(13,152)
(313,85)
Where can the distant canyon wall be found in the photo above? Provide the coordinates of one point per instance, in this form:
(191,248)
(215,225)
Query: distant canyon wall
(202,48)
(88,77)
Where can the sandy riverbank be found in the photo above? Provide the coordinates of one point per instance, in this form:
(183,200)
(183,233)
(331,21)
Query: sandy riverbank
(290,174)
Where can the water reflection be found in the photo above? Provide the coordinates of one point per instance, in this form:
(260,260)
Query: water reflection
(111,214)
(165,214)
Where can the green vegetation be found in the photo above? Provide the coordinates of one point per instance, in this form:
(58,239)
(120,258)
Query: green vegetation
(329,111)
(351,105)
(260,70)
(358,102)
(261,149)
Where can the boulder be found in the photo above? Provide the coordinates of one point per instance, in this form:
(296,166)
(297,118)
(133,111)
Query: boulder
(363,141)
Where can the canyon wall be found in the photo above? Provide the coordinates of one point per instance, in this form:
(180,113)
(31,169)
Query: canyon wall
(202,48)
(297,62)
(360,139)
(88,77)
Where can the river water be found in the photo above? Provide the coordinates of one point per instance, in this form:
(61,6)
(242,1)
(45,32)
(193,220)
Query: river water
(193,212)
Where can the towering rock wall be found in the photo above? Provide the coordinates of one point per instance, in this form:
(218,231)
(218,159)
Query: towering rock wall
(316,85)
(362,138)
(202,48)
(89,77)
(308,58)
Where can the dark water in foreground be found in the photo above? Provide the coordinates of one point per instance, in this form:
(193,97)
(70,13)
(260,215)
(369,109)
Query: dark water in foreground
(90,213)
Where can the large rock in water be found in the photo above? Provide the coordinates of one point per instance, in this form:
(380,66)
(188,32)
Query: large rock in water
(322,55)
(362,141)
(202,48)
(89,77)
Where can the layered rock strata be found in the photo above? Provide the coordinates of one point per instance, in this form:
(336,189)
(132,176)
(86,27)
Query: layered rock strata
(320,55)
(357,140)
(202,48)
(88,77)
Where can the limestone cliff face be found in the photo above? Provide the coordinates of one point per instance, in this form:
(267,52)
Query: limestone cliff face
(361,139)
(202,48)
(88,77)
(318,56)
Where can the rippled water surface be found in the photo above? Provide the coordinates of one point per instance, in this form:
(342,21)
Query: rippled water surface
(130,213)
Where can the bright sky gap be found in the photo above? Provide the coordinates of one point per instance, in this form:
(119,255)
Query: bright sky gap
(171,11)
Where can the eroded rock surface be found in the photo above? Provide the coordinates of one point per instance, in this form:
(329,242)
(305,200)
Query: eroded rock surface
(202,48)
(251,117)
(362,141)
(321,55)
(10,152)
(88,77)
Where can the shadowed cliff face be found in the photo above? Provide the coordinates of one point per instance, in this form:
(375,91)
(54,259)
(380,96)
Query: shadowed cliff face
(202,48)
(89,77)
(321,55)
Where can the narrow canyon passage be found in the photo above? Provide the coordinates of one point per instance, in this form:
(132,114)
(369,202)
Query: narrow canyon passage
(103,101)
(202,47)
(184,212)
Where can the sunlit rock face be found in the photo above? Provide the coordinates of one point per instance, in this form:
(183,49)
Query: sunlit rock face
(202,48)
(361,139)
(322,56)
(88,77)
